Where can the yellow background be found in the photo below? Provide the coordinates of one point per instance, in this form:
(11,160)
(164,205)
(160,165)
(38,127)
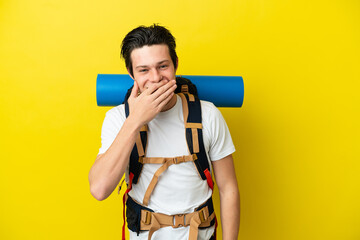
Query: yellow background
(297,134)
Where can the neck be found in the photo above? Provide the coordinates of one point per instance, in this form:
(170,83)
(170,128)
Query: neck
(170,104)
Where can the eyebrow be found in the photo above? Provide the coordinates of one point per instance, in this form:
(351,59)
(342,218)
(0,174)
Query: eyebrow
(159,63)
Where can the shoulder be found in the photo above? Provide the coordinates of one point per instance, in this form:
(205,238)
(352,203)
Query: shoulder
(216,132)
(210,116)
(117,112)
(207,104)
(112,123)
(115,116)
(209,110)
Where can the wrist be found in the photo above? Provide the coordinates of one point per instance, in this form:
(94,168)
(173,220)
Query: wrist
(134,123)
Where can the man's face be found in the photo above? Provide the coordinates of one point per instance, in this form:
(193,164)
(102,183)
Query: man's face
(152,64)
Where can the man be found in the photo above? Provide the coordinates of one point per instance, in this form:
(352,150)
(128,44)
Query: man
(151,61)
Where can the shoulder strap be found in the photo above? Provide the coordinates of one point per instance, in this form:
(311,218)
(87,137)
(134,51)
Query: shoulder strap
(194,136)
(138,151)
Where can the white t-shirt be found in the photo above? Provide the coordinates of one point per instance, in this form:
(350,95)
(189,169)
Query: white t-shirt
(179,189)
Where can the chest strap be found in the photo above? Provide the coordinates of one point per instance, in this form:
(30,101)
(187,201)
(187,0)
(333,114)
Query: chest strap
(167,162)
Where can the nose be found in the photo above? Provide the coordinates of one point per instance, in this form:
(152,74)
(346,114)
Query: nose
(156,76)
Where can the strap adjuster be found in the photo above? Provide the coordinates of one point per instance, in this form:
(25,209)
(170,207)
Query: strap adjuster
(179,220)
(147,217)
(177,160)
(184,89)
(202,215)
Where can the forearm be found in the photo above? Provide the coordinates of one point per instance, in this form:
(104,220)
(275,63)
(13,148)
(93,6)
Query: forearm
(109,167)
(230,212)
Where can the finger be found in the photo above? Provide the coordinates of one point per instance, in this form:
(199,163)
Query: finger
(153,87)
(134,90)
(161,90)
(165,101)
(162,97)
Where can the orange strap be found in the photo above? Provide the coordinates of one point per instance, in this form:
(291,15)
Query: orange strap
(144,128)
(194,126)
(191,98)
(139,145)
(195,140)
(140,148)
(159,160)
(184,107)
(167,162)
(154,221)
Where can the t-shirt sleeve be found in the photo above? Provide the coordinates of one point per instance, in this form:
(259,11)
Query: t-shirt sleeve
(112,124)
(221,144)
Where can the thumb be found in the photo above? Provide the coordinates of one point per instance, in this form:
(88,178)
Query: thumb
(134,91)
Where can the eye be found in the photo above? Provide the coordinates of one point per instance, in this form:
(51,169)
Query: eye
(163,66)
(143,70)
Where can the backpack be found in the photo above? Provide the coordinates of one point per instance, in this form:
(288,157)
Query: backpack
(194,138)
(194,127)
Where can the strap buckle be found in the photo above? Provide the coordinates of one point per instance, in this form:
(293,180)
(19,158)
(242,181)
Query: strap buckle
(184,89)
(147,218)
(178,220)
(177,160)
(202,215)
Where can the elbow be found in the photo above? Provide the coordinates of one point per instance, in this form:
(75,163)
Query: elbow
(230,191)
(98,193)
(97,189)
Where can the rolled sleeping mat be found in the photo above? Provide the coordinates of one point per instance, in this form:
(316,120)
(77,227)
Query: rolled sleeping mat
(223,91)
